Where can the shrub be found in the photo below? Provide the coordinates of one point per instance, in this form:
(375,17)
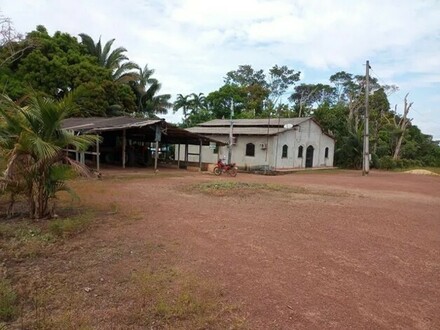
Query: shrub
(387,163)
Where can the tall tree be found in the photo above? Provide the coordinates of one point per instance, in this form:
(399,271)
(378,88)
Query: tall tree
(280,79)
(184,103)
(9,41)
(244,76)
(308,96)
(58,65)
(402,125)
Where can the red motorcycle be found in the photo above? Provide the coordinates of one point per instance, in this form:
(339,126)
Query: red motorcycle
(221,167)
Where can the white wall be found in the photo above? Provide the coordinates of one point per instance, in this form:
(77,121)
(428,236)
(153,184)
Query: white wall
(308,133)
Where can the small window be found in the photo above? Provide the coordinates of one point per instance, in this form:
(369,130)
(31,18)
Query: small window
(300,151)
(285,148)
(326,153)
(250,149)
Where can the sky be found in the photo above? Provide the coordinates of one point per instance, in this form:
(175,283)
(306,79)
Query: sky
(192,44)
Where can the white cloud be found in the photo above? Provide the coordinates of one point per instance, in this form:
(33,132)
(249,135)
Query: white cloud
(193,43)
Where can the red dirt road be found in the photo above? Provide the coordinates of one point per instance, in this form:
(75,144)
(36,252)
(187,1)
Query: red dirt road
(358,252)
(346,252)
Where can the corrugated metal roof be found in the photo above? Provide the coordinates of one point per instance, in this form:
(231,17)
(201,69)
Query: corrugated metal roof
(236,130)
(256,122)
(170,133)
(98,124)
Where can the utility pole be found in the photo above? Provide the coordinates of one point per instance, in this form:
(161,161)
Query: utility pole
(366,158)
(231,137)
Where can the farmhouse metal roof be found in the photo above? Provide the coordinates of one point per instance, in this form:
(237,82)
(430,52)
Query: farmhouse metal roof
(236,130)
(98,124)
(265,126)
(170,133)
(256,122)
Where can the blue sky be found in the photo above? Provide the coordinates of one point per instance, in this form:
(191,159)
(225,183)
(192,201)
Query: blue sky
(193,43)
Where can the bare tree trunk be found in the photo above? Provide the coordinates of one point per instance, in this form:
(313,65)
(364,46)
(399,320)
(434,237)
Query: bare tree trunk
(10,210)
(402,125)
(398,146)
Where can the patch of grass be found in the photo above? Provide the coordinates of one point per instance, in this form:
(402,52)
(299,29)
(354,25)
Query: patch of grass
(148,174)
(170,299)
(69,226)
(223,188)
(22,239)
(236,188)
(27,239)
(8,301)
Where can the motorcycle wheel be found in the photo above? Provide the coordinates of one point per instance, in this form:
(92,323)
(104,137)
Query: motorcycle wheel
(217,171)
(232,171)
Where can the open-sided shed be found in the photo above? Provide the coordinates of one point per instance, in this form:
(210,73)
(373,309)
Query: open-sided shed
(128,140)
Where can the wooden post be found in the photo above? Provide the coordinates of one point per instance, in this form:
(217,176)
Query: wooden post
(200,154)
(123,147)
(156,154)
(178,155)
(186,154)
(97,153)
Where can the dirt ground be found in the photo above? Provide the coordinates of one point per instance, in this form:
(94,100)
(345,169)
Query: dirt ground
(332,250)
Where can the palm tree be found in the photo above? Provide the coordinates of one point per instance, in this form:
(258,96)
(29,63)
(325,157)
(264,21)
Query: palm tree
(198,101)
(182,102)
(112,60)
(146,90)
(32,142)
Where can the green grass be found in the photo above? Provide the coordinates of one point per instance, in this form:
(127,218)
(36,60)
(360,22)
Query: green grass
(8,301)
(69,226)
(236,186)
(243,189)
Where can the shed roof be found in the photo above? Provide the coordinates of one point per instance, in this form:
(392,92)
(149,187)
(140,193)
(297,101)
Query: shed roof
(170,133)
(98,124)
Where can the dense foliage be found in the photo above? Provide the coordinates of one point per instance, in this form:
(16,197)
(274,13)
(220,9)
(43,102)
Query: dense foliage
(104,81)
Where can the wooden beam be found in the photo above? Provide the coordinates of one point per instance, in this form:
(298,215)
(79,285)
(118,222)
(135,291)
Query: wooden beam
(200,155)
(124,138)
(97,153)
(178,155)
(156,154)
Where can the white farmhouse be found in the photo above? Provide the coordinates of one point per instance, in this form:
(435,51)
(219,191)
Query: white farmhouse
(276,143)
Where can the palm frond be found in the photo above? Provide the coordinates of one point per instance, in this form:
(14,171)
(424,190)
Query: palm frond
(115,57)
(88,42)
(79,168)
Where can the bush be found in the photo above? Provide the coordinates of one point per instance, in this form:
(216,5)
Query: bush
(388,163)
(375,161)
